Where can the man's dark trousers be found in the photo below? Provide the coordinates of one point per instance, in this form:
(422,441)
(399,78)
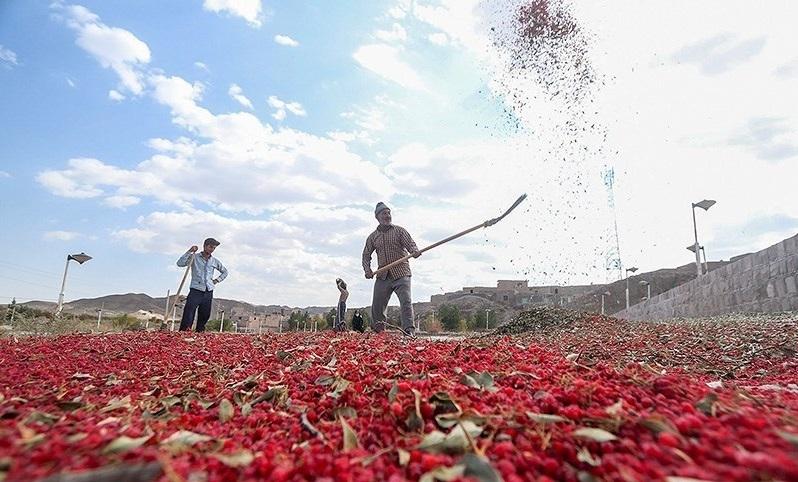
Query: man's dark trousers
(197,299)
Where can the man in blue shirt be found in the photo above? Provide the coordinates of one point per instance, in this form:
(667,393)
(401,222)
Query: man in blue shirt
(200,296)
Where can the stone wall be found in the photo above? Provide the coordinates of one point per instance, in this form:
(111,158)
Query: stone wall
(762,282)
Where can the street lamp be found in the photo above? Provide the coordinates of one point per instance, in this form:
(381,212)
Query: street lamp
(705,205)
(80,258)
(703,252)
(606,293)
(628,270)
(648,286)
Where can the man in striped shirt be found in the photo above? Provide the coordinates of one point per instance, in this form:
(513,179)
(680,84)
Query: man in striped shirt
(391,243)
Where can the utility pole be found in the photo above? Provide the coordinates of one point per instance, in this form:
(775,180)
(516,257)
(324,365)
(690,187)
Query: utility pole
(487,320)
(13,309)
(100,316)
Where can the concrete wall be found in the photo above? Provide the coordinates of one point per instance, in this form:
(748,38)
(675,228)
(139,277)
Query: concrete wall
(762,282)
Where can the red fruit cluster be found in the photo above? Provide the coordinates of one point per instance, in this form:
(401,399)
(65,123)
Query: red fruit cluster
(333,406)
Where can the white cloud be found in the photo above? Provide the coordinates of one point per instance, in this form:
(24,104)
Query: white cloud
(70,82)
(396,34)
(249,10)
(115,95)
(238,95)
(112,47)
(4,174)
(384,61)
(7,56)
(282,108)
(438,38)
(61,235)
(286,40)
(121,202)
(202,66)
(397,12)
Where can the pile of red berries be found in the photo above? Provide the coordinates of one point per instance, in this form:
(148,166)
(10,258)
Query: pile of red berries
(347,406)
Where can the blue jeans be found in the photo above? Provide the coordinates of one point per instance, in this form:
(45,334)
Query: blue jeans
(201,302)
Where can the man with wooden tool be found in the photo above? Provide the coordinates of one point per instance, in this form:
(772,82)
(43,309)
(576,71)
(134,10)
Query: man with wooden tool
(392,243)
(200,295)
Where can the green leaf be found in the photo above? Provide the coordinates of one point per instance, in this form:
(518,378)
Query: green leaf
(226,411)
(238,459)
(124,443)
(595,434)
(246,409)
(350,437)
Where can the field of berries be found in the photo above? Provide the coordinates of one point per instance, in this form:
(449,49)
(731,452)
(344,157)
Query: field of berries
(589,399)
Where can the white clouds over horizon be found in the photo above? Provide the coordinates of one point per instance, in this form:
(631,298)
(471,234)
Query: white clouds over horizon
(249,10)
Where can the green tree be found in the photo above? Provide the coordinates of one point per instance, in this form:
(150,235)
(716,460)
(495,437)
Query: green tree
(213,325)
(450,317)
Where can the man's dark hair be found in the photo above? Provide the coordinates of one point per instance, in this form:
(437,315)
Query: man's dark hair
(211,242)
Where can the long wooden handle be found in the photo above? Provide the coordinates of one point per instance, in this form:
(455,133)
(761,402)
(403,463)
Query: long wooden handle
(489,222)
(176,297)
(408,256)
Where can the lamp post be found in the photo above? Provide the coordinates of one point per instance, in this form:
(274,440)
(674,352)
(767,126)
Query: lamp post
(705,205)
(80,258)
(628,270)
(648,288)
(606,293)
(487,323)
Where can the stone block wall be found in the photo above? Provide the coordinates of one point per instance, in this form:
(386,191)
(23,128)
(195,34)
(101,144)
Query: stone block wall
(761,282)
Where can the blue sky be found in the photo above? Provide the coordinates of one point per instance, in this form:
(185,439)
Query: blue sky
(132,130)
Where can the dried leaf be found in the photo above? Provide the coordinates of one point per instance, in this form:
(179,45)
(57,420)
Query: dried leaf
(325,380)
(238,459)
(615,408)
(393,392)
(595,434)
(124,443)
(69,406)
(444,403)
(584,455)
(455,441)
(479,467)
(309,426)
(479,380)
(404,457)
(185,438)
(544,418)
(789,436)
(117,404)
(246,409)
(443,473)
(347,412)
(226,410)
(349,436)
